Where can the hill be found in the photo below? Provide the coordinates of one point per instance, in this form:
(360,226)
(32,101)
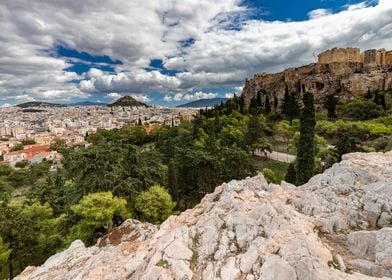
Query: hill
(39,104)
(127,101)
(345,73)
(88,103)
(202,103)
(335,227)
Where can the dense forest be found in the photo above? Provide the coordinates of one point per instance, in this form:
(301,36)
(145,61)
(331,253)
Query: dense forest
(129,173)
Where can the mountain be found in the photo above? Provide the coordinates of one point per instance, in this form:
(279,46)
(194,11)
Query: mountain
(335,227)
(345,73)
(127,101)
(39,104)
(88,103)
(202,103)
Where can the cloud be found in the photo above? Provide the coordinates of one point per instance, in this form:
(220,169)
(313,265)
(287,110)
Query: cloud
(136,32)
(141,98)
(229,95)
(113,95)
(319,13)
(189,96)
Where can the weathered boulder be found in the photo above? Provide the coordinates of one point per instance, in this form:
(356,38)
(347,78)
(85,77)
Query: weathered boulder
(251,230)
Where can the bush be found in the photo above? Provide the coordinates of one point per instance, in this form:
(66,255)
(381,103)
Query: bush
(270,176)
(154,205)
(21,164)
(361,110)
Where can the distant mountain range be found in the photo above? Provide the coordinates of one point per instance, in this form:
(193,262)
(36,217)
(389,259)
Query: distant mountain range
(39,104)
(127,101)
(202,103)
(51,105)
(88,103)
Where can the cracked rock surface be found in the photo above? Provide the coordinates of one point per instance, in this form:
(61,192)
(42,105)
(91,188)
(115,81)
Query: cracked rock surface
(337,226)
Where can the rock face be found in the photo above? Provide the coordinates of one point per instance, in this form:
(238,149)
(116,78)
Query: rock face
(334,227)
(345,73)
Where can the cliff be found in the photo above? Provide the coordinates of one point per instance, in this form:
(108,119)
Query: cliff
(337,226)
(345,73)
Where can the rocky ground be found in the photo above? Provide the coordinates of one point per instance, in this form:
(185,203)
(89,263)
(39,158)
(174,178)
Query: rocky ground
(337,226)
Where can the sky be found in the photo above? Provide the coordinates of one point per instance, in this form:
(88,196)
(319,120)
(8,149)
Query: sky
(170,52)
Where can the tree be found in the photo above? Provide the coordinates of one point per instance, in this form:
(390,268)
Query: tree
(5,252)
(361,110)
(347,143)
(59,145)
(291,174)
(331,107)
(306,145)
(270,176)
(368,95)
(286,102)
(154,205)
(267,105)
(97,211)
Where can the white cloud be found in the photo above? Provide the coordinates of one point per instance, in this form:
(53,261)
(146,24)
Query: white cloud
(319,13)
(138,31)
(189,96)
(113,95)
(229,95)
(141,98)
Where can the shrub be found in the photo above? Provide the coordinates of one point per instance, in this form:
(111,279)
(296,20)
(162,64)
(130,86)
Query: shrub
(270,176)
(154,205)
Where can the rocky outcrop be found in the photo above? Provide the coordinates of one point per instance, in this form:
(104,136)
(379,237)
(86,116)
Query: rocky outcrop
(345,73)
(334,227)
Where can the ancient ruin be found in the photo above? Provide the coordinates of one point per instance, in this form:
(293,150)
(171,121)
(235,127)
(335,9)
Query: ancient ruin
(346,73)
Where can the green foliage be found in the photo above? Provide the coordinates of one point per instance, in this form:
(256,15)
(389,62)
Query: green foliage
(5,252)
(18,147)
(154,205)
(31,230)
(59,145)
(270,176)
(21,164)
(97,211)
(291,175)
(26,142)
(330,105)
(306,144)
(360,110)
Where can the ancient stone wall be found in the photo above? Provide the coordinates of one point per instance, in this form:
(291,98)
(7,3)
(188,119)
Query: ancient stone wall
(370,58)
(340,55)
(388,58)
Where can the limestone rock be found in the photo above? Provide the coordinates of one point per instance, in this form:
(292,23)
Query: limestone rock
(251,230)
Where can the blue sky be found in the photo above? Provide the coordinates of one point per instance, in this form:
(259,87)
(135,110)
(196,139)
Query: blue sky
(171,52)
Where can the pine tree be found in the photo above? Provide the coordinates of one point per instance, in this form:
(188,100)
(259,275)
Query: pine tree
(306,145)
(291,175)
(267,105)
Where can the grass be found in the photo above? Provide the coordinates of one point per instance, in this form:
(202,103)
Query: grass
(280,168)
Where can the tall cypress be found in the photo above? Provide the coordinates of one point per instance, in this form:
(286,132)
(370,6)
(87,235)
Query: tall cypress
(331,107)
(306,145)
(267,105)
(286,102)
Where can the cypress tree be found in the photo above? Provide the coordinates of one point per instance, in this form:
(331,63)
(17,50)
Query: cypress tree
(306,145)
(291,175)
(275,102)
(286,102)
(267,105)
(259,101)
(331,106)
(368,94)
(294,108)
(381,101)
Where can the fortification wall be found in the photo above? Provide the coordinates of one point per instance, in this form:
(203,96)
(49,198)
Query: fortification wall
(340,55)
